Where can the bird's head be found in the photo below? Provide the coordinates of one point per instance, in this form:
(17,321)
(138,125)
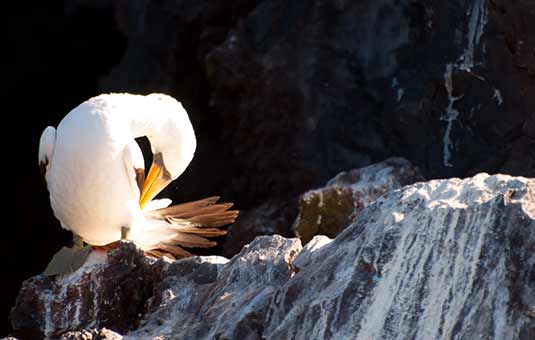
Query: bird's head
(172,141)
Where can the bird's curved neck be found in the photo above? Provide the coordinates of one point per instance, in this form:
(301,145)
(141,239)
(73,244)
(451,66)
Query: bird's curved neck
(167,126)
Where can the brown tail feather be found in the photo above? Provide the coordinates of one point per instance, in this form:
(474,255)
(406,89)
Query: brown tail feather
(189,206)
(214,220)
(172,252)
(192,241)
(202,213)
(158,254)
(185,214)
(208,232)
(191,221)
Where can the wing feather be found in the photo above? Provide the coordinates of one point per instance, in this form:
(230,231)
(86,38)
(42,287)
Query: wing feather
(134,166)
(47,142)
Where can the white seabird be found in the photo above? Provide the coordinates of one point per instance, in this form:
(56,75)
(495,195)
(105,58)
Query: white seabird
(94,172)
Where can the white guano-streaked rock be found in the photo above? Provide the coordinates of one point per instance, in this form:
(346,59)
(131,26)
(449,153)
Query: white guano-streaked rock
(458,265)
(444,259)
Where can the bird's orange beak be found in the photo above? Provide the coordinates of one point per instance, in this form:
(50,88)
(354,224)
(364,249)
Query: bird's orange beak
(157,179)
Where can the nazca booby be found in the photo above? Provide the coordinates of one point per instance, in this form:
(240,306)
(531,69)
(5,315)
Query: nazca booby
(94,171)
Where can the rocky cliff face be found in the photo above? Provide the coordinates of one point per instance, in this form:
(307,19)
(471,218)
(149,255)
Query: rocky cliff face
(303,90)
(282,95)
(434,260)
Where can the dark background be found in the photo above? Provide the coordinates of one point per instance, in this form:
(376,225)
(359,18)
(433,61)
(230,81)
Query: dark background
(282,95)
(56,66)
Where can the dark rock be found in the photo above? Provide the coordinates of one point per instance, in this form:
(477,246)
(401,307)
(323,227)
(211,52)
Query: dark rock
(274,216)
(328,210)
(439,259)
(316,87)
(458,103)
(108,291)
(167,43)
(290,82)
(322,211)
(285,95)
(325,211)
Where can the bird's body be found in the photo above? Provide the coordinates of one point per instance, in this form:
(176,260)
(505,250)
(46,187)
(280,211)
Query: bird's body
(94,171)
(90,191)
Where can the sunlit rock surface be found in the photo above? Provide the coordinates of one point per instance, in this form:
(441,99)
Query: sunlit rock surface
(93,334)
(434,260)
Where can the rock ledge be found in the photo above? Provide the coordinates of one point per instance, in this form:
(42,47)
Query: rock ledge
(433,260)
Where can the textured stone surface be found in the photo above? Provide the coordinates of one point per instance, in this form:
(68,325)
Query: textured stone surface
(303,90)
(91,334)
(330,209)
(434,260)
(94,334)
(337,85)
(108,291)
(322,211)
(213,298)
(274,216)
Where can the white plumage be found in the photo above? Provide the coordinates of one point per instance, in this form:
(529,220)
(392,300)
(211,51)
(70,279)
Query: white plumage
(94,171)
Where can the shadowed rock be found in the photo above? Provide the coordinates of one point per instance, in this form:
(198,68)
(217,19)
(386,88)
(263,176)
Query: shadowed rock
(322,211)
(275,216)
(286,95)
(108,291)
(330,209)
